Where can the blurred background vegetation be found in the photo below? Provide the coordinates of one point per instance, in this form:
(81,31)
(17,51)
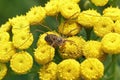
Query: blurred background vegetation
(11,8)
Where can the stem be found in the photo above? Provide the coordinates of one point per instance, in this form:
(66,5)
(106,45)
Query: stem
(114,62)
(88,32)
(111,65)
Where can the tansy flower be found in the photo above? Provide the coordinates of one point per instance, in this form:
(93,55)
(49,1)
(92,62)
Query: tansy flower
(4,36)
(92,49)
(19,23)
(48,71)
(92,69)
(62,2)
(5,27)
(69,28)
(21,62)
(117,26)
(88,18)
(103,26)
(44,54)
(51,7)
(99,2)
(68,69)
(77,1)
(3,70)
(112,12)
(72,47)
(36,15)
(69,9)
(110,43)
(22,40)
(7,50)
(41,40)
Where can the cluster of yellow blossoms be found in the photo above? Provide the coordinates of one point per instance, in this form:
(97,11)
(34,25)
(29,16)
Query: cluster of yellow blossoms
(16,38)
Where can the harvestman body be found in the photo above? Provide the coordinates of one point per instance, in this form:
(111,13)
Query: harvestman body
(54,40)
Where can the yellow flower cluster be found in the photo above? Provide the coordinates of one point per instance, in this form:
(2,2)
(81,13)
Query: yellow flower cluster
(70,69)
(14,47)
(101,24)
(69,10)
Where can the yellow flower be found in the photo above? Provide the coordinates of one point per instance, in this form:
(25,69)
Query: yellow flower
(3,70)
(22,40)
(19,23)
(72,47)
(41,40)
(69,9)
(103,26)
(36,15)
(68,69)
(51,7)
(117,26)
(7,50)
(77,1)
(110,43)
(100,2)
(48,71)
(92,49)
(88,18)
(62,2)
(69,28)
(44,54)
(92,69)
(5,27)
(112,12)
(21,62)
(4,36)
